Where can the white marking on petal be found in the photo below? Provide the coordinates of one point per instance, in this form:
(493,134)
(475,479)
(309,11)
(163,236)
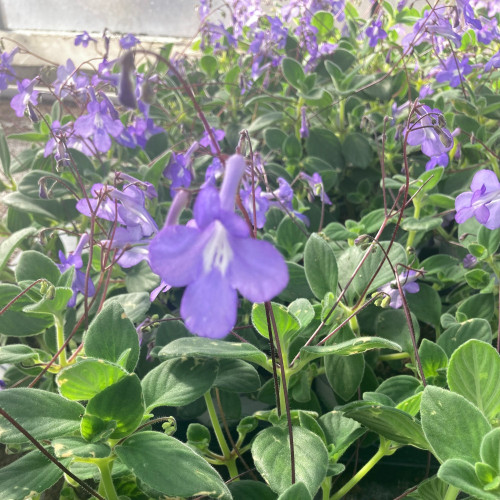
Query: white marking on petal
(217,252)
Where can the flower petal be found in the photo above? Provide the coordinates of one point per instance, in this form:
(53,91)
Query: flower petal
(209,306)
(175,254)
(494,219)
(258,270)
(488,178)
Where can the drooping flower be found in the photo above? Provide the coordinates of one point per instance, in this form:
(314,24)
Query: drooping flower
(469,261)
(316,188)
(304,129)
(494,62)
(407,280)
(435,161)
(261,205)
(430,132)
(454,71)
(482,202)
(128,41)
(375,32)
(214,257)
(83,39)
(27,94)
(206,140)
(75,259)
(178,169)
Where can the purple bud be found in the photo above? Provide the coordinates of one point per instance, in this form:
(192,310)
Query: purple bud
(469,261)
(126,84)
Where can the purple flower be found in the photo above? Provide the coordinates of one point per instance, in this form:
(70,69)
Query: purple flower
(469,261)
(316,188)
(75,259)
(430,132)
(482,202)
(489,31)
(494,62)
(214,257)
(214,171)
(282,198)
(128,41)
(178,169)
(26,95)
(407,281)
(440,160)
(68,80)
(206,140)
(99,125)
(375,32)
(261,205)
(304,129)
(454,71)
(83,39)
(424,91)
(7,73)
(468,13)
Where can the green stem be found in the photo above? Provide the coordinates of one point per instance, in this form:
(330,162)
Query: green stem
(106,483)
(416,215)
(325,488)
(229,459)
(58,321)
(392,357)
(382,451)
(451,493)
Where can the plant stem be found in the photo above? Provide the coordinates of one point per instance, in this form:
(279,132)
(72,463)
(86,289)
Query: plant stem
(382,452)
(59,324)
(451,493)
(325,488)
(229,459)
(106,480)
(392,357)
(416,215)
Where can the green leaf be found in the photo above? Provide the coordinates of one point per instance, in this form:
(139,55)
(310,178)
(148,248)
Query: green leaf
(477,279)
(426,304)
(462,475)
(320,266)
(323,22)
(140,278)
(199,347)
(122,403)
(474,372)
(490,449)
(399,387)
(303,311)
(297,491)
(110,334)
(427,223)
(209,65)
(4,153)
(286,323)
(292,148)
(344,373)
(490,239)
(157,166)
(271,454)
(14,321)
(350,347)
(54,415)
(431,489)
(70,447)
(274,138)
(340,432)
(28,476)
(291,234)
(446,415)
(34,265)
(150,455)
(178,382)
(297,284)
(392,325)
(432,357)
(55,210)
(293,72)
(265,120)
(389,422)
(250,490)
(337,232)
(477,306)
(135,305)
(88,377)
(323,143)
(235,375)
(16,353)
(459,333)
(357,150)
(55,303)
(12,242)
(30,185)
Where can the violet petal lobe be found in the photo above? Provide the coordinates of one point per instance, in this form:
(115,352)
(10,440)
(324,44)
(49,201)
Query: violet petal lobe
(209,305)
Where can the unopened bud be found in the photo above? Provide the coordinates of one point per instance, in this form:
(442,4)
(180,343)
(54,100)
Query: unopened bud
(44,286)
(126,85)
(32,113)
(385,302)
(42,189)
(51,293)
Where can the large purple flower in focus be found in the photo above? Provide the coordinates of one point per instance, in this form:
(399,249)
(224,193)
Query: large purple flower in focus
(430,132)
(407,281)
(482,202)
(214,257)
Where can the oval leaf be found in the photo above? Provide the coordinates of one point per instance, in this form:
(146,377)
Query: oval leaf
(320,266)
